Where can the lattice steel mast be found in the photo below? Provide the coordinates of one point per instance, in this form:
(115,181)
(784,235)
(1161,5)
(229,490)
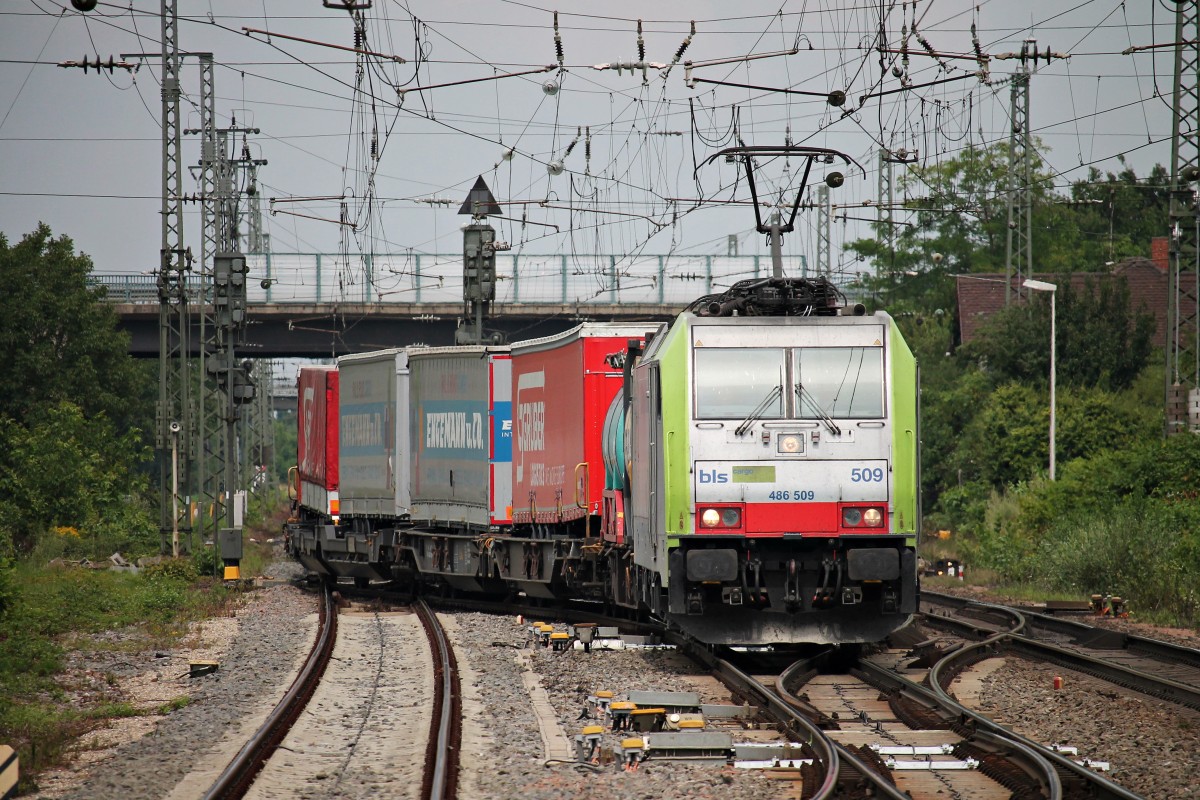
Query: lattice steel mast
(1018,260)
(1183,328)
(174,419)
(824,226)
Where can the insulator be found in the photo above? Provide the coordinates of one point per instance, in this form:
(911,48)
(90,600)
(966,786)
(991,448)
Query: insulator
(558,46)
(686,42)
(641,43)
(574,142)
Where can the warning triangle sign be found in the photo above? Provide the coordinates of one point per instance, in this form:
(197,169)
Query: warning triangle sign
(480,201)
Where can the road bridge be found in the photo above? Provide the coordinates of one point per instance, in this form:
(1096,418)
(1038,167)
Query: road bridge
(321,306)
(326,330)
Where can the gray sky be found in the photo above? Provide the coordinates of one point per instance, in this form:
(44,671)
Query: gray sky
(82,152)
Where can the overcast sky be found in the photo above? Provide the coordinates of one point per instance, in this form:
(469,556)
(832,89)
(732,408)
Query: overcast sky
(82,152)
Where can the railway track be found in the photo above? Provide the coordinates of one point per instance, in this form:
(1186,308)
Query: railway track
(376,702)
(911,738)
(441,774)
(237,778)
(1166,671)
(983,762)
(964,754)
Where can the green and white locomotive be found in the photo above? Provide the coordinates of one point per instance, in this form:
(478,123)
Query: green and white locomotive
(762,469)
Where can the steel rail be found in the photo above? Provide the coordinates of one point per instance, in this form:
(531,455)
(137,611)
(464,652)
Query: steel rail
(441,780)
(880,677)
(1019,623)
(1132,642)
(940,676)
(880,786)
(1162,688)
(830,755)
(237,778)
(986,731)
(824,751)
(1128,677)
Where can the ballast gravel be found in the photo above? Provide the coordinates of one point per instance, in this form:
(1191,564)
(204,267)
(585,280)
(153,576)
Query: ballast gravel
(259,661)
(1152,746)
(514,763)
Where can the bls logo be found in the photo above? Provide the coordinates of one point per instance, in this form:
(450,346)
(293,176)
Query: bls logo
(713,477)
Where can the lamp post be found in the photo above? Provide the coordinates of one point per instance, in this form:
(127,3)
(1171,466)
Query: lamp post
(1042,286)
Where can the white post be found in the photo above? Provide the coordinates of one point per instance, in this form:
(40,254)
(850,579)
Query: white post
(1043,286)
(174,490)
(1053,352)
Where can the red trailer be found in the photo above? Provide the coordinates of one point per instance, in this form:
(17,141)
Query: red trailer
(317,439)
(562,388)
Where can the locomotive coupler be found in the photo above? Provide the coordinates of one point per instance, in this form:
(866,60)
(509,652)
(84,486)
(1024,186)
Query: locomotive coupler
(791,597)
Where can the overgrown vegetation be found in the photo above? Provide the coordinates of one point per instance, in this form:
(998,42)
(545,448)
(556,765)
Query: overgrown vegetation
(54,609)
(54,604)
(76,417)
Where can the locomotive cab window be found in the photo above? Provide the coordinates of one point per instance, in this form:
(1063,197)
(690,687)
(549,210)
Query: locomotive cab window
(734,382)
(838,382)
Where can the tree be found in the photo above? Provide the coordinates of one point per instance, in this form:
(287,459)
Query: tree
(1101,341)
(65,472)
(957,208)
(1006,441)
(1112,216)
(74,406)
(60,341)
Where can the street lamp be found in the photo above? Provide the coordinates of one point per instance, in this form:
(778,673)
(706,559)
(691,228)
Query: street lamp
(1042,286)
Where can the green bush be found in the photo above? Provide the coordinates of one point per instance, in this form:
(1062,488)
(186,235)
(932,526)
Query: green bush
(7,583)
(177,569)
(1142,550)
(206,561)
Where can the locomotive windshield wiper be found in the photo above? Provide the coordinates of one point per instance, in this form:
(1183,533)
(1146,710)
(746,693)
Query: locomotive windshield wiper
(814,409)
(773,395)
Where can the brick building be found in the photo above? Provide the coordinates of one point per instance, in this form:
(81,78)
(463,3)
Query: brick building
(980,296)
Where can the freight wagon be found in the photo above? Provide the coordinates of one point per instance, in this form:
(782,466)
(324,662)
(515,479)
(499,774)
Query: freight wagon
(747,473)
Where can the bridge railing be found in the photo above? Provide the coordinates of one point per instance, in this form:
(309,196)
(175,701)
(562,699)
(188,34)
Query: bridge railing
(313,278)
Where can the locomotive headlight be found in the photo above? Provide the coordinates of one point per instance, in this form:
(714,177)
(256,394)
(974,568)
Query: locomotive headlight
(872,517)
(852,517)
(731,517)
(711,518)
(790,443)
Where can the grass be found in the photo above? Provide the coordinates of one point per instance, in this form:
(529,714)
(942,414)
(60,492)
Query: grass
(173,705)
(55,609)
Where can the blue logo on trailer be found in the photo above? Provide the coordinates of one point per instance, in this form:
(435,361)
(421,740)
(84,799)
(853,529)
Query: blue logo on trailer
(454,429)
(502,426)
(365,429)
